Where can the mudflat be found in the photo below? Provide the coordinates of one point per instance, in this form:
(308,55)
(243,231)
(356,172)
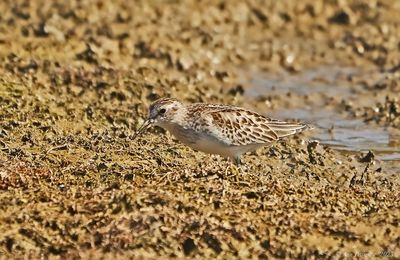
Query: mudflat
(77,77)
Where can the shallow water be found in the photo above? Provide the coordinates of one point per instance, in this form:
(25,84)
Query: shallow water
(318,80)
(332,128)
(345,134)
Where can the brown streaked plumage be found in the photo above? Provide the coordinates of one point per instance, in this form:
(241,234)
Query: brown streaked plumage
(218,129)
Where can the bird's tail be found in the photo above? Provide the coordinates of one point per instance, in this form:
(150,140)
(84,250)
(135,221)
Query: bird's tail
(283,129)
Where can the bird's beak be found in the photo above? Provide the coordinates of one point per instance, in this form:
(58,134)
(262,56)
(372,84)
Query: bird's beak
(143,128)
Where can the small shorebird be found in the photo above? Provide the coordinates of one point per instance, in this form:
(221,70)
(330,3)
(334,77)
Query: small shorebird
(217,129)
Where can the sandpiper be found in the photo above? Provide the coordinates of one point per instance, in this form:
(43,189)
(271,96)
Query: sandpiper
(217,129)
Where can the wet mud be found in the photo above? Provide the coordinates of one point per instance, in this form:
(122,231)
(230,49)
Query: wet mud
(76,78)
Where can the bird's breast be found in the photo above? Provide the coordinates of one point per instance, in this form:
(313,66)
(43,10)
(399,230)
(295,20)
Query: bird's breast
(198,140)
(206,142)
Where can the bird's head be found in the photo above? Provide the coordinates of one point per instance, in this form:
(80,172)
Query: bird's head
(163,110)
(161,113)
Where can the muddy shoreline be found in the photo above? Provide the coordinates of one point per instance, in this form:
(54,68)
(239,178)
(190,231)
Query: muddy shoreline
(76,79)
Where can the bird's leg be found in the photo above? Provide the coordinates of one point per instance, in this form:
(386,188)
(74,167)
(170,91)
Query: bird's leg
(240,168)
(235,167)
(237,161)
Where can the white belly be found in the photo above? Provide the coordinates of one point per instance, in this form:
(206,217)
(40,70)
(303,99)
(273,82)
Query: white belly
(208,146)
(207,143)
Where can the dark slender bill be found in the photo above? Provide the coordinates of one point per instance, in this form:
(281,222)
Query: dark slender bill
(142,128)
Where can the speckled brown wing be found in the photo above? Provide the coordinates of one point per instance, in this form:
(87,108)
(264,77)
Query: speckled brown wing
(239,126)
(283,129)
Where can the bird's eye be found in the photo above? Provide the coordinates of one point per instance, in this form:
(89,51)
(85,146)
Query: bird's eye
(162,111)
